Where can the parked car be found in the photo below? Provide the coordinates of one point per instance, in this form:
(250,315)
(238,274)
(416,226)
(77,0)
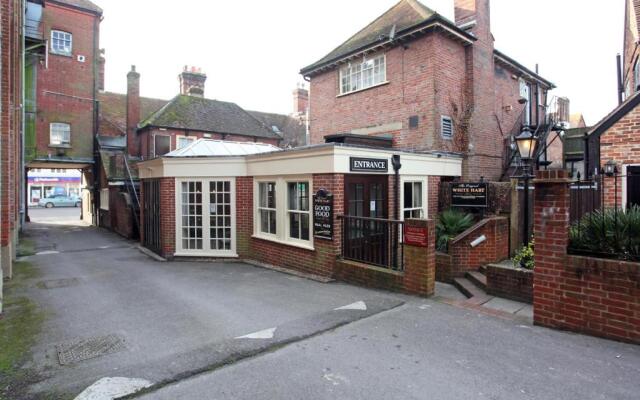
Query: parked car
(60,200)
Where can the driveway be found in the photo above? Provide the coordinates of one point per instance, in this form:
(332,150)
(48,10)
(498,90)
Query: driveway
(234,331)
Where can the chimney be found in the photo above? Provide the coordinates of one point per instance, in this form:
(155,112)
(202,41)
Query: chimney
(192,81)
(101,62)
(133,112)
(300,100)
(475,17)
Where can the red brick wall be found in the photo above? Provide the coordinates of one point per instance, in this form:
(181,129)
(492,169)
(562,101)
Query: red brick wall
(66,88)
(630,51)
(594,296)
(510,283)
(462,257)
(244,215)
(145,138)
(168,217)
(620,143)
(120,214)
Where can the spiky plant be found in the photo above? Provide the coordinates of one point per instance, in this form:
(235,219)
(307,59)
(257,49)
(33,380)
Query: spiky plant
(450,224)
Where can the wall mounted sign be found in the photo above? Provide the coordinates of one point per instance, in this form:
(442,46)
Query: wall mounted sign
(469,195)
(323,215)
(416,236)
(380,165)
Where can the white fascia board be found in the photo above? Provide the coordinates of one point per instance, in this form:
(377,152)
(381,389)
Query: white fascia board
(150,169)
(307,161)
(193,167)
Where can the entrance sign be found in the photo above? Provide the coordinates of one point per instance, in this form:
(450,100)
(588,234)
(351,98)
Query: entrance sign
(323,215)
(469,195)
(368,164)
(415,236)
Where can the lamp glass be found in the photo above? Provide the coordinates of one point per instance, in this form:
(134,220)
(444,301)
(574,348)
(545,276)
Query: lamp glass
(526,144)
(610,168)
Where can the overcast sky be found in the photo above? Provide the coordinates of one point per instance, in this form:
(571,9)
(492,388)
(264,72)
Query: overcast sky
(252,50)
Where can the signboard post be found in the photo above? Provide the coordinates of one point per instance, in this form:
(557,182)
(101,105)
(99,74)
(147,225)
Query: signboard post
(323,215)
(469,195)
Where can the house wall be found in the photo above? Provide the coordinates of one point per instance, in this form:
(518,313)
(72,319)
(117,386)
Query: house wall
(631,49)
(66,86)
(620,143)
(146,138)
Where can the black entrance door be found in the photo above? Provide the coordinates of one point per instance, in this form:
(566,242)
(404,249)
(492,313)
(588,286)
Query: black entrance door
(366,238)
(633,186)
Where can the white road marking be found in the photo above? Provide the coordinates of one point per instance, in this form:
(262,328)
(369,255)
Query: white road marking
(265,334)
(358,305)
(335,379)
(104,247)
(112,388)
(44,253)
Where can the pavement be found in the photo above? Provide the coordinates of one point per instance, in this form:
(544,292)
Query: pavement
(189,330)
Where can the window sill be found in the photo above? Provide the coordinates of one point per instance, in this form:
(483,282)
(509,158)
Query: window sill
(284,242)
(362,90)
(60,146)
(204,254)
(57,53)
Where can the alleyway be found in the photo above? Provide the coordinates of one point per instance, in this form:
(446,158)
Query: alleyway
(164,322)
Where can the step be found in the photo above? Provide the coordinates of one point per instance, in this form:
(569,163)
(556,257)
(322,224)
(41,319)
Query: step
(466,287)
(483,269)
(477,278)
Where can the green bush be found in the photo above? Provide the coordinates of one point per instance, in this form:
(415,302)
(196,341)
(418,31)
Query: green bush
(608,232)
(524,256)
(450,224)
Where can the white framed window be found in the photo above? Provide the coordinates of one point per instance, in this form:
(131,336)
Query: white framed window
(267,208)
(636,76)
(299,214)
(414,197)
(161,145)
(184,141)
(61,42)
(282,210)
(446,127)
(104,199)
(365,74)
(205,217)
(525,93)
(59,134)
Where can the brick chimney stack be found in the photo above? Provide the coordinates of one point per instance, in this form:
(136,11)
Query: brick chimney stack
(474,16)
(300,100)
(133,112)
(192,81)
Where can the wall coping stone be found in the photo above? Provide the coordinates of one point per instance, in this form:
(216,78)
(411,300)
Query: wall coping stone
(475,227)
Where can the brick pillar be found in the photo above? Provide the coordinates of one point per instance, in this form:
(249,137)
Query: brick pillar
(551,232)
(420,261)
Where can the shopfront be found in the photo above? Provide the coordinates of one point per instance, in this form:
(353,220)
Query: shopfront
(281,207)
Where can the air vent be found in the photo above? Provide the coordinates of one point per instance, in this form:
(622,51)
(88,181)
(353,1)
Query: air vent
(446,127)
(81,59)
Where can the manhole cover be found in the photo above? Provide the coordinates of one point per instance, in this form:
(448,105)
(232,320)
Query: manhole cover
(58,283)
(84,349)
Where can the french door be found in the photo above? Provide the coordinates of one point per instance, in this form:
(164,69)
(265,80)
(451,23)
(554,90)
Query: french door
(205,217)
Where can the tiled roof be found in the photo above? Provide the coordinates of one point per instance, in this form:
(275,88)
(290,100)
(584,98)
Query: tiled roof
(292,130)
(206,115)
(80,4)
(113,108)
(577,120)
(405,14)
(221,148)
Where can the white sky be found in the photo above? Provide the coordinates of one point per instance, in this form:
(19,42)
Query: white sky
(252,50)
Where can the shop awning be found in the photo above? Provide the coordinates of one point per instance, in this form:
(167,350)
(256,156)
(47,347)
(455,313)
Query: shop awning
(212,148)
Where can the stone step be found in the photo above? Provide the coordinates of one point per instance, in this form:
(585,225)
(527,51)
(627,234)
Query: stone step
(466,287)
(483,269)
(477,278)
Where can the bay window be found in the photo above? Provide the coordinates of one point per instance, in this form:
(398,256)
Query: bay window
(361,75)
(299,214)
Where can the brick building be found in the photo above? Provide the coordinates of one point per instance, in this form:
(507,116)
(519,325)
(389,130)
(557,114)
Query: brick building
(64,74)
(11,72)
(428,83)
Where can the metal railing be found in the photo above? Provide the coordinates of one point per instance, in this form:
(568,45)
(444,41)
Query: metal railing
(603,224)
(373,241)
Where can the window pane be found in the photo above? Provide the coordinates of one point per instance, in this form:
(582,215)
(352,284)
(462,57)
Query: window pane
(162,145)
(417,194)
(305,227)
(293,196)
(408,194)
(294,225)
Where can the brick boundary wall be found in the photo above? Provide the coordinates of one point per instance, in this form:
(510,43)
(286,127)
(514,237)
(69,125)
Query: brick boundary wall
(510,282)
(599,297)
(419,273)
(462,258)
(167,217)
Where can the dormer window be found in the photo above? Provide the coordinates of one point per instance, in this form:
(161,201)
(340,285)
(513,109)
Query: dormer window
(61,42)
(362,75)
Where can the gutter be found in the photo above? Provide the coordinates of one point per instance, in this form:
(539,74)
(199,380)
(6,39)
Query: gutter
(510,61)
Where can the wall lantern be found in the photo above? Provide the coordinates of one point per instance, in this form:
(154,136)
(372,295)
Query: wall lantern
(610,168)
(526,143)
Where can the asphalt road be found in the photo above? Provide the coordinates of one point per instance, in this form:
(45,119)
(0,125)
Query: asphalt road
(181,325)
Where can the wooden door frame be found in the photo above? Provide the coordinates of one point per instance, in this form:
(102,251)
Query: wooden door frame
(367,180)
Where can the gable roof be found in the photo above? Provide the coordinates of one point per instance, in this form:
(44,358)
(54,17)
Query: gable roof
(400,19)
(84,5)
(292,130)
(617,114)
(113,108)
(206,115)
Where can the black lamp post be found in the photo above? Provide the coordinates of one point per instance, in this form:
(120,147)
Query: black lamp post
(526,143)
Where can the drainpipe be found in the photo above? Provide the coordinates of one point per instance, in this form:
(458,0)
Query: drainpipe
(96,166)
(395,162)
(24,204)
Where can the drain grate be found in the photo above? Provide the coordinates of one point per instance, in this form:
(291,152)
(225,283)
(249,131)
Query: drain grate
(58,283)
(84,349)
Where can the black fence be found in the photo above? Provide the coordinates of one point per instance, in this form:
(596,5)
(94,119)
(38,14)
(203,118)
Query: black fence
(605,217)
(373,241)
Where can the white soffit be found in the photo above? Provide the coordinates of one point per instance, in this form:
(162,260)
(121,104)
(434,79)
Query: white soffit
(212,148)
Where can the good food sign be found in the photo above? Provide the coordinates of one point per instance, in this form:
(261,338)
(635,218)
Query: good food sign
(323,215)
(469,195)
